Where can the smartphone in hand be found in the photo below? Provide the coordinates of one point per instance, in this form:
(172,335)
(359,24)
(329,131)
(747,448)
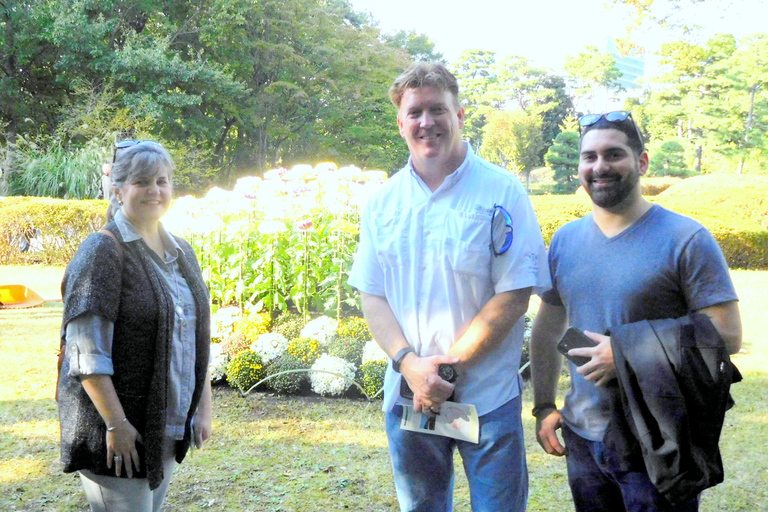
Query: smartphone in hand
(574,338)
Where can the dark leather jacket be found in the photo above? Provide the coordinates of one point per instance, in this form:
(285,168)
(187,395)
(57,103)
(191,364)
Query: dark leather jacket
(674,378)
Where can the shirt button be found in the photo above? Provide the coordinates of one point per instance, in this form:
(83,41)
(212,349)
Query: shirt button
(179,310)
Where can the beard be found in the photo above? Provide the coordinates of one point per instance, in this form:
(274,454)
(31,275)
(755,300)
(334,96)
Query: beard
(615,193)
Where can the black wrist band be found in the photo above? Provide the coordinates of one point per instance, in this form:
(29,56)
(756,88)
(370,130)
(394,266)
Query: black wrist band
(399,358)
(539,408)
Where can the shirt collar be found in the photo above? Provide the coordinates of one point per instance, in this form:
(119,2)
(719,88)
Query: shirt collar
(456,175)
(130,234)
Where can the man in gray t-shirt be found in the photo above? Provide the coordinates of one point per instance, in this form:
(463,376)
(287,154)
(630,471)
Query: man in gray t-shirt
(627,261)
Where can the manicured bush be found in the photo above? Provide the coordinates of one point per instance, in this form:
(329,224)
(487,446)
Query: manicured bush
(554,211)
(44,230)
(270,346)
(334,383)
(354,327)
(245,369)
(348,348)
(654,186)
(307,350)
(234,344)
(373,376)
(253,326)
(289,325)
(288,382)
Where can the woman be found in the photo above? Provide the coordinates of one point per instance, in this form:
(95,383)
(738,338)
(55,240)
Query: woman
(133,388)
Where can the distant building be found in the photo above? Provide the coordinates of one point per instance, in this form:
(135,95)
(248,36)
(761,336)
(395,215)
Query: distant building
(632,66)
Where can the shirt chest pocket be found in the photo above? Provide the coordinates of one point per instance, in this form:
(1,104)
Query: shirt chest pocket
(467,243)
(390,239)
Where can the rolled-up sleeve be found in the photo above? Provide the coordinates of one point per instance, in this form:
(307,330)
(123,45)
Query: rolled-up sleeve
(89,345)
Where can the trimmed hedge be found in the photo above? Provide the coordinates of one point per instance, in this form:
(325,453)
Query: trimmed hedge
(734,208)
(46,230)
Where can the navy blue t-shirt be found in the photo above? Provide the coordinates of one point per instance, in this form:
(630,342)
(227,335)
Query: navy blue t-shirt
(665,265)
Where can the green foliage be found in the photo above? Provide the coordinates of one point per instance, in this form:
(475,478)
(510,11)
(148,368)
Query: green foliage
(252,326)
(40,230)
(290,268)
(245,369)
(373,376)
(289,382)
(513,139)
(668,160)
(348,348)
(307,350)
(354,327)
(289,325)
(49,169)
(563,158)
(590,70)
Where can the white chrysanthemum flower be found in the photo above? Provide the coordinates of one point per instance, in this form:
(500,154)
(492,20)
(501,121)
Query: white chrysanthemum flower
(373,352)
(218,363)
(327,384)
(322,329)
(270,346)
(206,225)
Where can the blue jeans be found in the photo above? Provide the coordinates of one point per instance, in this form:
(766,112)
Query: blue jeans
(598,486)
(495,467)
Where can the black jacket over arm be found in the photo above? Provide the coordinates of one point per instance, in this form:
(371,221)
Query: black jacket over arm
(674,378)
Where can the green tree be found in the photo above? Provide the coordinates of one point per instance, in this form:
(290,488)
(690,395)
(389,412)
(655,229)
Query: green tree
(563,158)
(474,72)
(590,71)
(513,139)
(419,46)
(668,160)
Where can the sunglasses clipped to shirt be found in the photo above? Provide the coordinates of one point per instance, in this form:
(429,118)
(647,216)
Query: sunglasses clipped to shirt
(501,230)
(124,144)
(617,116)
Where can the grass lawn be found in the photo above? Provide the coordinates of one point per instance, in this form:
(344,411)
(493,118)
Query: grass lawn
(272,453)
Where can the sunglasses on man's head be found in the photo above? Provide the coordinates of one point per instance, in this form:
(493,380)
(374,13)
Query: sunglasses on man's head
(124,144)
(616,116)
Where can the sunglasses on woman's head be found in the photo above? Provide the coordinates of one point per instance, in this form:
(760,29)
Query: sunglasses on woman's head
(123,144)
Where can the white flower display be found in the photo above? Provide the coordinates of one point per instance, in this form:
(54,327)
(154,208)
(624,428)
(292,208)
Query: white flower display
(223,321)
(270,346)
(327,384)
(373,352)
(218,363)
(272,227)
(322,329)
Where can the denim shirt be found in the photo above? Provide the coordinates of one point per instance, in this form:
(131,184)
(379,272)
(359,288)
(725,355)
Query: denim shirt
(89,336)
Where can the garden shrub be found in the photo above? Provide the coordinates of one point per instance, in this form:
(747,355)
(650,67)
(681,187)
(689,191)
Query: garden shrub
(270,345)
(373,376)
(654,186)
(245,369)
(307,350)
(348,348)
(328,384)
(45,230)
(289,325)
(289,382)
(253,326)
(554,211)
(234,344)
(354,327)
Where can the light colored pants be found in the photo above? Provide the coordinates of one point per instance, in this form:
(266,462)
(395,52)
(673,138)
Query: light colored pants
(112,494)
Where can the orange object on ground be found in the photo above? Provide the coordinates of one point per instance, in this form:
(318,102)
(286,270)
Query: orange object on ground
(18,296)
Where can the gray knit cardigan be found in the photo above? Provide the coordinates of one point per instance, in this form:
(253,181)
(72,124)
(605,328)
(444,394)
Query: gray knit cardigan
(128,292)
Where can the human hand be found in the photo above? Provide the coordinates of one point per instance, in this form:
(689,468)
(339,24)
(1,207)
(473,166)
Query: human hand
(429,389)
(546,432)
(202,426)
(121,448)
(601,367)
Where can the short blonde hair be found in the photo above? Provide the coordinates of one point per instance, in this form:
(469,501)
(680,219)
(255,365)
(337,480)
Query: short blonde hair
(424,74)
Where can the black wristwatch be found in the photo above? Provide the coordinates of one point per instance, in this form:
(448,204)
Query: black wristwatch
(398,359)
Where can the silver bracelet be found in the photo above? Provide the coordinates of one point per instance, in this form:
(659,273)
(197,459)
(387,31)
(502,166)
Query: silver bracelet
(110,429)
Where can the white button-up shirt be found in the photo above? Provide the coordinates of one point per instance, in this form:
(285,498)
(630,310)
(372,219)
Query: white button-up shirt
(428,253)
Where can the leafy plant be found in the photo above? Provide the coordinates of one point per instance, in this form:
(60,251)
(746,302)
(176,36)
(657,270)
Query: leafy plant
(307,350)
(287,382)
(373,376)
(245,369)
(348,348)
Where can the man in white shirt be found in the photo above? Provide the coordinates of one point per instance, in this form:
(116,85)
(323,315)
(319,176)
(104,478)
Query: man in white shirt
(435,291)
